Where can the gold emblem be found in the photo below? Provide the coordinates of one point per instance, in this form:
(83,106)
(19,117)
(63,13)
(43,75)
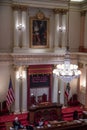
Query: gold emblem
(40,15)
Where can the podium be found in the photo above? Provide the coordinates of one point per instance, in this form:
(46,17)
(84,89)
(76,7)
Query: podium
(48,111)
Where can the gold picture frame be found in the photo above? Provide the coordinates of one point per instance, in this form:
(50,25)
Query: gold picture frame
(39,32)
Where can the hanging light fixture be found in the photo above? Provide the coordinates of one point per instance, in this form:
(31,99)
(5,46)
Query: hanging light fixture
(67,71)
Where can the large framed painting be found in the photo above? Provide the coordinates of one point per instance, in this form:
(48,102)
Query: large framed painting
(39,32)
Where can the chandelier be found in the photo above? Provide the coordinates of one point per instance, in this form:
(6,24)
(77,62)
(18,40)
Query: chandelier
(67,71)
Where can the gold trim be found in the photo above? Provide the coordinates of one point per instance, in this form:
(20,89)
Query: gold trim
(40,73)
(41,69)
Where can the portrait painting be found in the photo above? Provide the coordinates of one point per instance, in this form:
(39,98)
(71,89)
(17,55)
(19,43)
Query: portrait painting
(39,33)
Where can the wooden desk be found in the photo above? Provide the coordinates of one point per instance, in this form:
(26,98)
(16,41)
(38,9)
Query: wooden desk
(65,126)
(49,111)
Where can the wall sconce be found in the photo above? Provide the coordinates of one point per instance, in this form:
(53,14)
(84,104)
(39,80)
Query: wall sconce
(59,92)
(20,74)
(84,84)
(20,27)
(61,29)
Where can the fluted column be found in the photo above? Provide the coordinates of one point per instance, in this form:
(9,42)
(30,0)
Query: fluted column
(17,97)
(82,29)
(62,94)
(59,92)
(16,33)
(24,90)
(64,39)
(55,89)
(24,28)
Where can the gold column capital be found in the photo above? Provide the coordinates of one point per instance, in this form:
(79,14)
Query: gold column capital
(62,11)
(20,7)
(15,67)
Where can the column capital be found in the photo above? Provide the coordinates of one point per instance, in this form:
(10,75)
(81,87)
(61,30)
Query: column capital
(24,67)
(15,67)
(62,11)
(20,7)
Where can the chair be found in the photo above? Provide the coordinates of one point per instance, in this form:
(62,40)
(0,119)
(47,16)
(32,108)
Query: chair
(33,99)
(4,110)
(74,101)
(75,115)
(9,126)
(44,98)
(40,99)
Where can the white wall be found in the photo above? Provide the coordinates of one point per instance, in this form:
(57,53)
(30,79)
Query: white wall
(5,73)
(5,28)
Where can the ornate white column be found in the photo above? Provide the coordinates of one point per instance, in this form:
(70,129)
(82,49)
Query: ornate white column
(60,28)
(86,86)
(24,90)
(17,95)
(16,33)
(24,28)
(64,37)
(55,89)
(85,32)
(62,91)
(59,92)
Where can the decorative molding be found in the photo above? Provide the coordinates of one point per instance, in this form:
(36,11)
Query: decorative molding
(17,59)
(42,4)
(6,58)
(36,59)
